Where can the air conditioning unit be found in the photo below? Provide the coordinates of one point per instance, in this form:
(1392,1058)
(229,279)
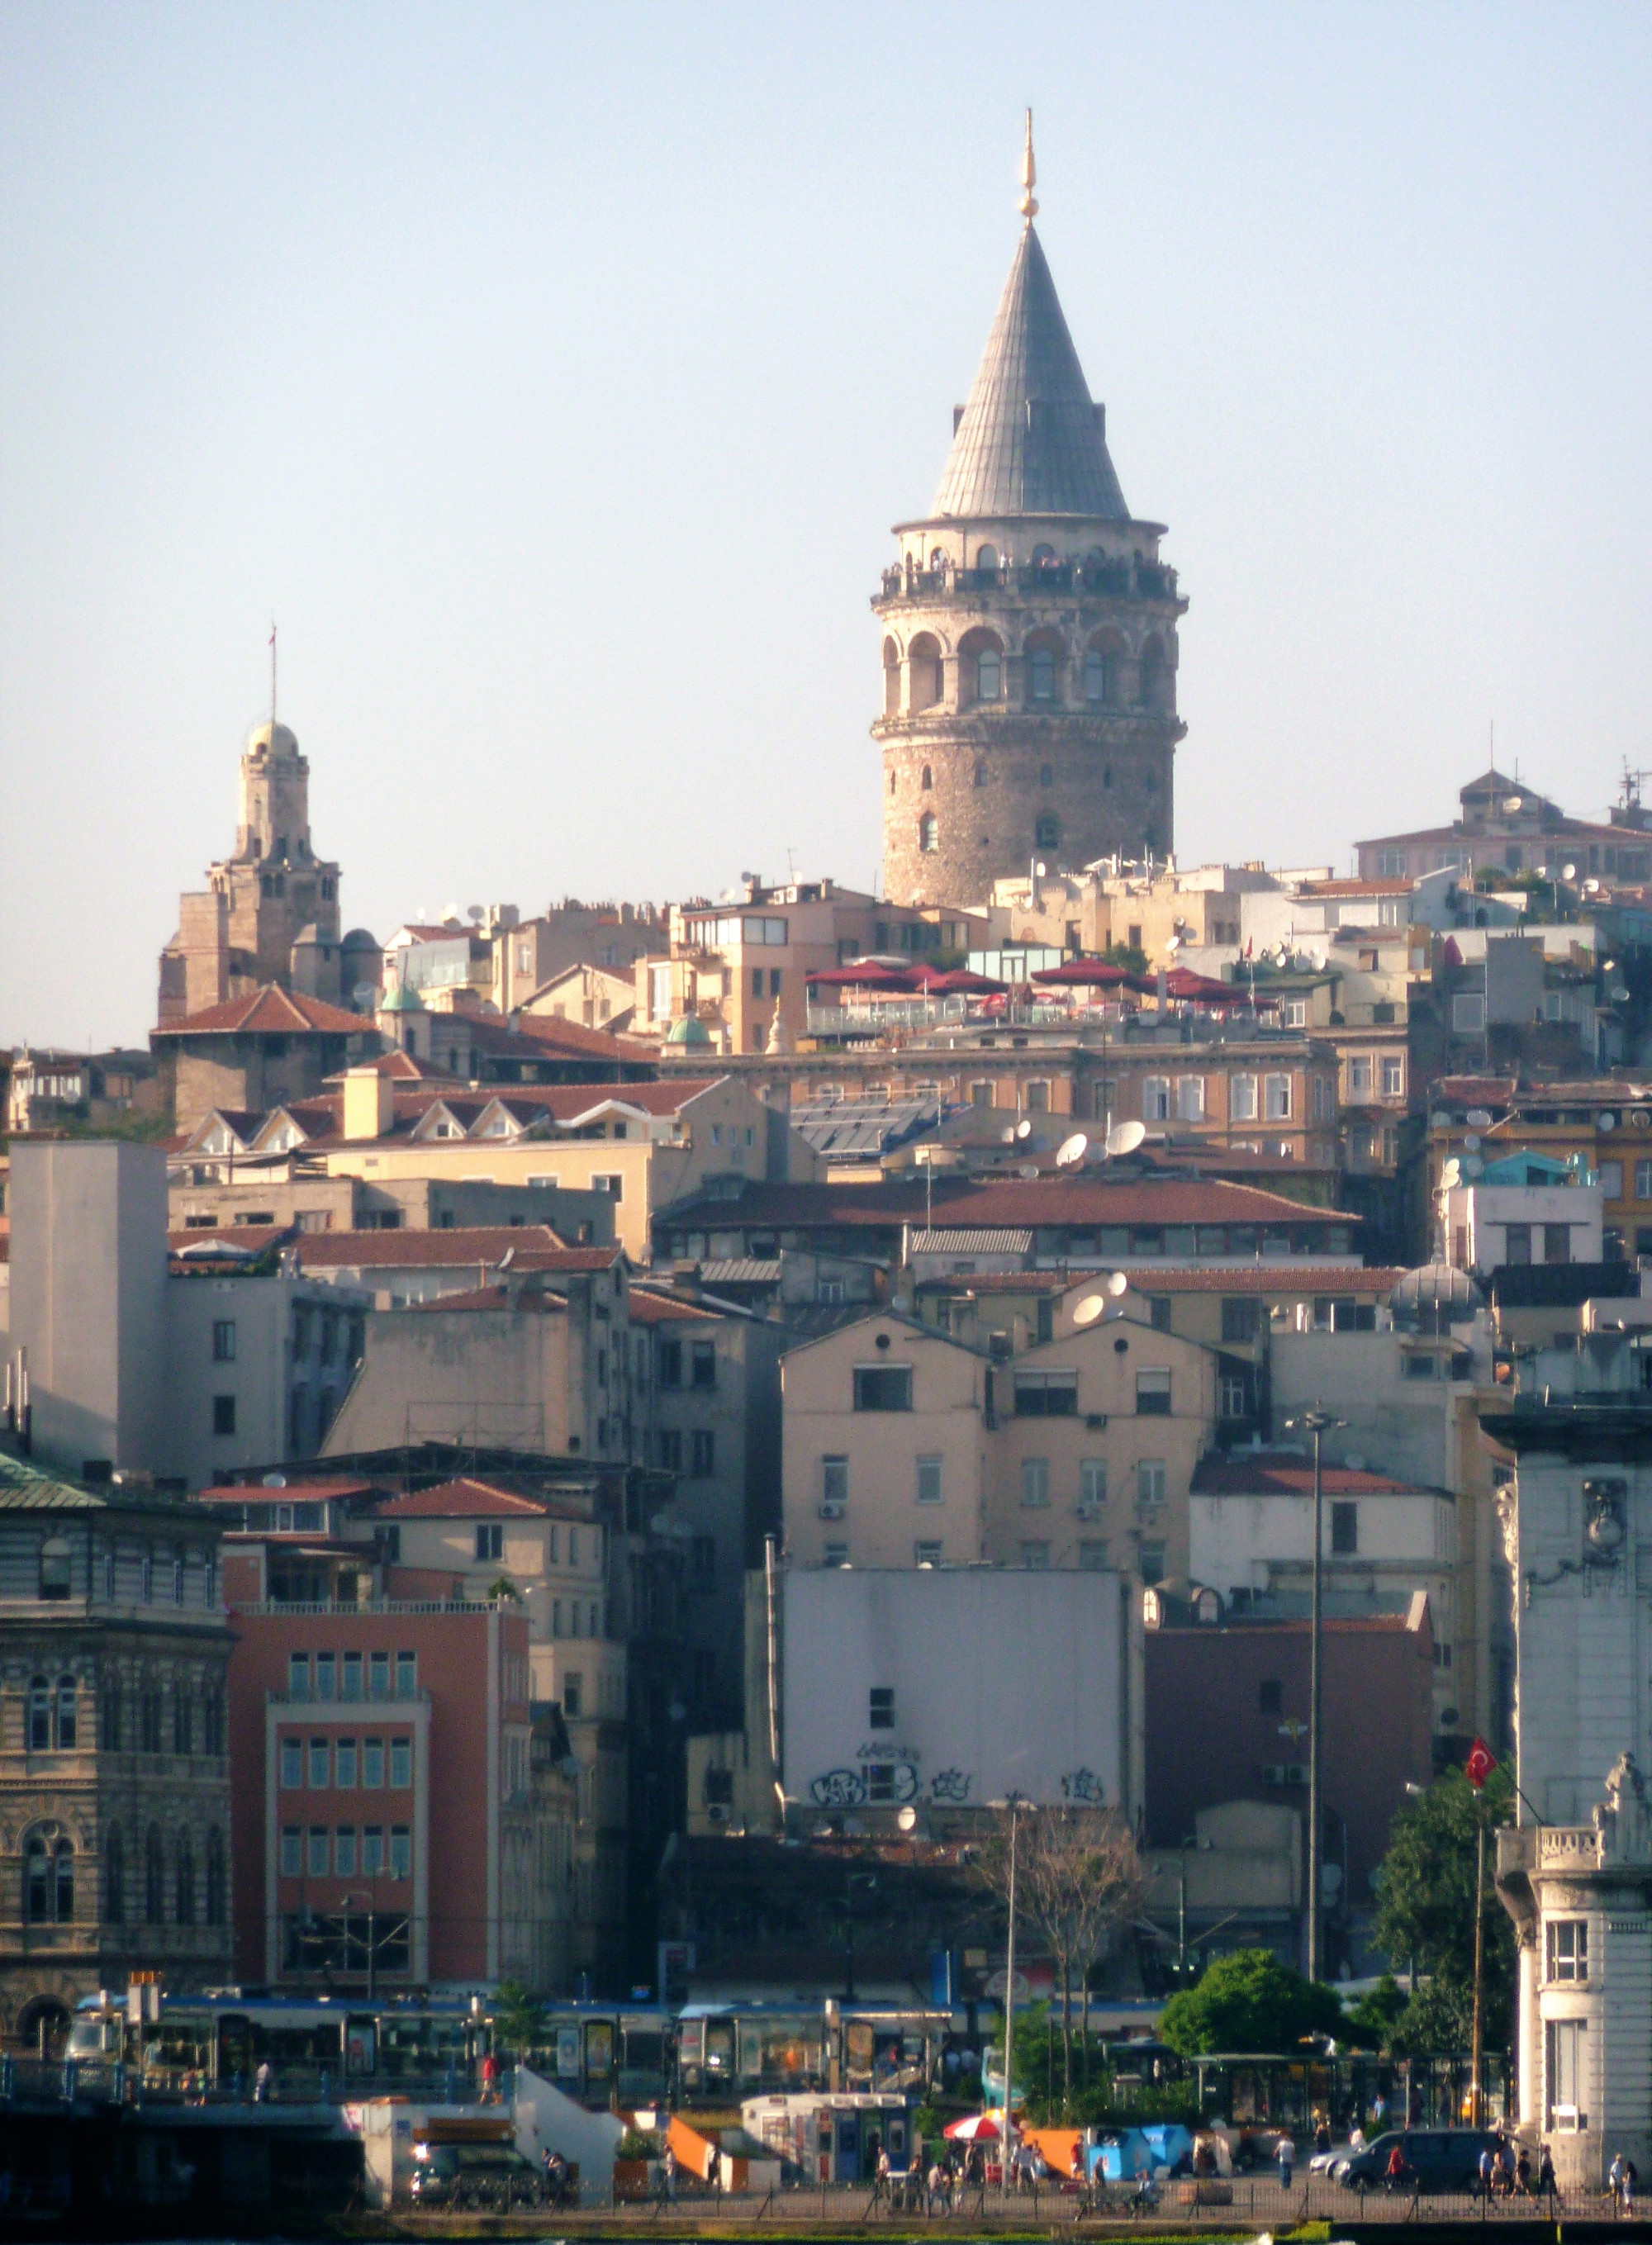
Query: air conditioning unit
(716,1814)
(831,1507)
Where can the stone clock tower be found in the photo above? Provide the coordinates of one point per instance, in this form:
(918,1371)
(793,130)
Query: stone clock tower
(1029,630)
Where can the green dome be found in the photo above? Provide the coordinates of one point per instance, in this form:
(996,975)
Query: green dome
(689,1031)
(402,1001)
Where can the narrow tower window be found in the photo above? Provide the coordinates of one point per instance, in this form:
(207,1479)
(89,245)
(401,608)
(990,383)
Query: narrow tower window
(928,832)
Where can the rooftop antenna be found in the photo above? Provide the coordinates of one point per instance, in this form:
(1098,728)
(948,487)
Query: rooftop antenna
(272,682)
(1028,205)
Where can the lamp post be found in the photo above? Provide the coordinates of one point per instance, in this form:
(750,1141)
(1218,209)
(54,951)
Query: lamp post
(1014,1805)
(1316,1422)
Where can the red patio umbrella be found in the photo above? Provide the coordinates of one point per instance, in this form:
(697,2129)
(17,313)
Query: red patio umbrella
(864,974)
(1182,984)
(976,2128)
(1090,973)
(958,982)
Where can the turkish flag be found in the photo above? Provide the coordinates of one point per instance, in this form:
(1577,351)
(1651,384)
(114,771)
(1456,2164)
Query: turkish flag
(1481,1764)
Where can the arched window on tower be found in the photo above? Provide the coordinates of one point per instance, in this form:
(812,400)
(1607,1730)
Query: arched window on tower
(980,667)
(980,775)
(986,561)
(923,671)
(1048,834)
(1046,775)
(928,780)
(48,1879)
(1095,676)
(928,833)
(1045,653)
(891,783)
(68,1726)
(891,678)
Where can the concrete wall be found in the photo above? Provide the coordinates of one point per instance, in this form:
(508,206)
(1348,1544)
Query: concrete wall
(1003,1681)
(88,1297)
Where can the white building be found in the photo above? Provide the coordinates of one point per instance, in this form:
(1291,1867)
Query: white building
(942,1688)
(1527,1208)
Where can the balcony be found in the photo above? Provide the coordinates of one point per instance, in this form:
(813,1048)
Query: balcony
(1089,579)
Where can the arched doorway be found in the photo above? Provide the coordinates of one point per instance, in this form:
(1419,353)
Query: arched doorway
(42,2027)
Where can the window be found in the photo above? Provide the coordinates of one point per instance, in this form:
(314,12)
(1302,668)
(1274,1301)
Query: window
(834,1555)
(326,1675)
(114,1857)
(1036,1556)
(929,1481)
(1557,1243)
(1048,832)
(989,675)
(1344,1529)
(1611,1176)
(1156,1099)
(223,1414)
(68,1727)
(490,1539)
(1150,1481)
(1240,1319)
(155,1879)
(1041,675)
(927,1553)
(373,1851)
(1276,1090)
(1360,1076)
(881,1708)
(352,1676)
(402,1760)
(1233,1398)
(1037,1098)
(223,1341)
(703,1453)
(1517,1242)
(705,1364)
(834,1481)
(928,833)
(883,1387)
(48,1881)
(1095,677)
(1468,1012)
(1035,1480)
(55,1563)
(378,1675)
(406,1668)
(1271,1698)
(1564,2052)
(1643,1181)
(373,1761)
(109,1723)
(292,1762)
(1152,1564)
(1190,1099)
(320,1851)
(610,1181)
(1047,1395)
(345,1851)
(1092,1484)
(1241,1099)
(670,1449)
(40,1716)
(981,1096)
(1393,1079)
(321,1762)
(1093,1556)
(1159,1310)
(344,1757)
(183,1726)
(292,1851)
(1567,1949)
(184,1880)
(1153,1394)
(1293,1012)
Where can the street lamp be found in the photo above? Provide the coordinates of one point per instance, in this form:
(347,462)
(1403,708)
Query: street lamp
(1014,1805)
(1316,1422)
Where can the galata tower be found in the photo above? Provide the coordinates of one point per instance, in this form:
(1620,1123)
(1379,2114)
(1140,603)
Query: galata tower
(1029,630)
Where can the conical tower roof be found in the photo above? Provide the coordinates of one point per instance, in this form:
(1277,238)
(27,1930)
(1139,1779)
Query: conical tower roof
(1030,441)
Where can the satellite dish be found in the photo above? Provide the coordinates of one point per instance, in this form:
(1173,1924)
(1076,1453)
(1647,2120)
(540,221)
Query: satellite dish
(1591,888)
(1006,1136)
(1031,1171)
(1477,1119)
(1473,1165)
(1039,870)
(907,1818)
(1568,872)
(1439,1119)
(1024,1129)
(1117,1284)
(1089,1309)
(474,912)
(1472,1142)
(1451,1174)
(1513,803)
(1072,1151)
(1606,1121)
(1125,1137)
(1174,944)
(273,1481)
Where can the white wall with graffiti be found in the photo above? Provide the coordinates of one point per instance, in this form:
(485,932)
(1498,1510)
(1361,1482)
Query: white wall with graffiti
(953,1687)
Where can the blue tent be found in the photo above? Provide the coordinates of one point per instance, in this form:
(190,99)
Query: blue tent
(1139,2151)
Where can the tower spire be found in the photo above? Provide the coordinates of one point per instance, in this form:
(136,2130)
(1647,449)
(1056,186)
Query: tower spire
(1028,205)
(272,682)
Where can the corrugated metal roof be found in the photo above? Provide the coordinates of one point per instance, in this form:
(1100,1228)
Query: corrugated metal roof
(741,1271)
(971,1243)
(24,1487)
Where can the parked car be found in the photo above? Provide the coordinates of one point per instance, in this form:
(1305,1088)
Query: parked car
(491,2176)
(1436,2160)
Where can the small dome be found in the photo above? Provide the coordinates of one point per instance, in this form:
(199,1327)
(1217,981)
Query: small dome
(362,938)
(401,999)
(286,741)
(689,1031)
(1434,1299)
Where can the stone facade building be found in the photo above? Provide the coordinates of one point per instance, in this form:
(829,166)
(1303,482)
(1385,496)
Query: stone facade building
(114,1787)
(270,912)
(1029,630)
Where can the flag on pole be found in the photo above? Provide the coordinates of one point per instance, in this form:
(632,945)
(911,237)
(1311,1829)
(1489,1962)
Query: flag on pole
(1481,1764)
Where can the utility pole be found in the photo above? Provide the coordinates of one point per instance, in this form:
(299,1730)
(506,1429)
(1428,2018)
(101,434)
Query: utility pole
(1315,1422)
(1480,1959)
(1012,1804)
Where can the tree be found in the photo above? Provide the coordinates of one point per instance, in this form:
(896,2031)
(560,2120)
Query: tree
(1078,1879)
(1373,2018)
(1425,1912)
(518,2017)
(1251,2002)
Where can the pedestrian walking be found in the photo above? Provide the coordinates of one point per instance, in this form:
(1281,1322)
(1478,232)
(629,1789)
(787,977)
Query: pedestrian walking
(1285,2153)
(1523,2172)
(937,2186)
(1486,2164)
(1546,2188)
(263,2083)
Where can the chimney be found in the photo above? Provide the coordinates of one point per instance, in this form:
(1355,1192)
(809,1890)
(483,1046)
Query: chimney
(369,1103)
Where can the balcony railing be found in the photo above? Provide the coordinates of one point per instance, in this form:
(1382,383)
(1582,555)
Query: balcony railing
(1109,579)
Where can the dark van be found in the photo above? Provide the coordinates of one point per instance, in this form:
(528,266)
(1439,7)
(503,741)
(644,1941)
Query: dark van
(1436,2160)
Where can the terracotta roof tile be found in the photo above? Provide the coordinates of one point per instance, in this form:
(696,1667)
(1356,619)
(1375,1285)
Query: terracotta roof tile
(1264,1473)
(270,1011)
(530,1247)
(464,1499)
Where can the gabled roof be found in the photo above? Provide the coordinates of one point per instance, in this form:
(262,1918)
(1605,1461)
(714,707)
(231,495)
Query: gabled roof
(270,1011)
(1269,1473)
(530,1301)
(1030,441)
(464,1499)
(529,1246)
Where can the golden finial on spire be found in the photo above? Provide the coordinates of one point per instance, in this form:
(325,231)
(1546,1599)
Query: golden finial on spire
(1029,203)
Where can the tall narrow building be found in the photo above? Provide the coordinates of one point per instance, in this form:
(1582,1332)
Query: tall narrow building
(1029,630)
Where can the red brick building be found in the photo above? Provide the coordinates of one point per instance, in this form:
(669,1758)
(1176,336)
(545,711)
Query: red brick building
(390,1816)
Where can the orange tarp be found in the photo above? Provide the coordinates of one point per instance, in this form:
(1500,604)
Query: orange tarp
(1056,2145)
(691,2150)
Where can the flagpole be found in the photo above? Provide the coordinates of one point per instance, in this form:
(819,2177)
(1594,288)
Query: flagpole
(1479,1948)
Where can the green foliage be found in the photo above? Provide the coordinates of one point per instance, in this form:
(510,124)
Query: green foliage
(518,2017)
(1249,2002)
(1130,956)
(635,2145)
(1373,2020)
(504,1587)
(1425,1912)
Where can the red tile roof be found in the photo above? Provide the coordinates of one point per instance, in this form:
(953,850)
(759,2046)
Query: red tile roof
(270,1012)
(465,1499)
(530,1247)
(253,1236)
(1138,1201)
(645,1307)
(555,1035)
(532,1301)
(1266,1473)
(307,1492)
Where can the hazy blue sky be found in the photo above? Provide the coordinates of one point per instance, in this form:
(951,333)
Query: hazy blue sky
(554,375)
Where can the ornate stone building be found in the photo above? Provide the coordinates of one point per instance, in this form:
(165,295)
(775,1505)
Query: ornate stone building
(114,1787)
(1029,630)
(270,912)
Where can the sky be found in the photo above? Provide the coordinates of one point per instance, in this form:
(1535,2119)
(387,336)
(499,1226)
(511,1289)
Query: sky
(553,375)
